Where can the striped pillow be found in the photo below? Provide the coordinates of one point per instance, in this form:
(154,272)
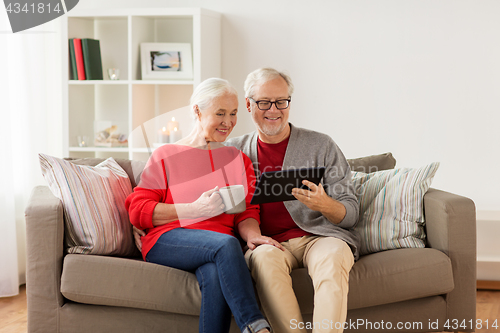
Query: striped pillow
(96,221)
(391,207)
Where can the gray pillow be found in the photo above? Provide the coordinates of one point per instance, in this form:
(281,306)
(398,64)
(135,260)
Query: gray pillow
(372,163)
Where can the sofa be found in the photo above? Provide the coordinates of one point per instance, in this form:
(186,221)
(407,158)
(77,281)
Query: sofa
(411,290)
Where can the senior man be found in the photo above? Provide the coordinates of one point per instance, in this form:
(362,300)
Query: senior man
(315,229)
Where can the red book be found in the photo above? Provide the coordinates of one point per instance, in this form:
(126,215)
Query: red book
(77,42)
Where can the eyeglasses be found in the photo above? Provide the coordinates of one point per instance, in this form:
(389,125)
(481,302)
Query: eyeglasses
(266,105)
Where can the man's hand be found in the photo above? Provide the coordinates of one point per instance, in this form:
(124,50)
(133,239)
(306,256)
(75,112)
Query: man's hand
(137,237)
(260,240)
(315,199)
(318,200)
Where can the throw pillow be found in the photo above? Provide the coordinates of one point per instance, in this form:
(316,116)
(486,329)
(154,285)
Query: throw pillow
(391,207)
(96,221)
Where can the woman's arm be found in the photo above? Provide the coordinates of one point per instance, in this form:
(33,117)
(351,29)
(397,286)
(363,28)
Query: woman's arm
(247,224)
(166,213)
(249,231)
(208,205)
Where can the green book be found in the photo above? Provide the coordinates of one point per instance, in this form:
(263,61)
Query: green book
(92,59)
(73,72)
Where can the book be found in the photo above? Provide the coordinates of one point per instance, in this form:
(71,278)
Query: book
(77,43)
(92,59)
(72,61)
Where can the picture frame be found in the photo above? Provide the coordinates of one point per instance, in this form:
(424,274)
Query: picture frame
(166,61)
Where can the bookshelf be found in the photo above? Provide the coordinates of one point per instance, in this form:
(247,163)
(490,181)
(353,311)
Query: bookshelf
(131,102)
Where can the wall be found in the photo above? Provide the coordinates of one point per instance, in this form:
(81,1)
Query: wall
(418,78)
(488,246)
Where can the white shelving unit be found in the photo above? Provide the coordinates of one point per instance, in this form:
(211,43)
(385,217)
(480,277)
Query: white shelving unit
(131,103)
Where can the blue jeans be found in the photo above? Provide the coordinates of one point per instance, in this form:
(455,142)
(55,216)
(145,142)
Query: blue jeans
(221,270)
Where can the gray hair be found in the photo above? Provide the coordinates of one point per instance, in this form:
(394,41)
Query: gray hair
(263,75)
(205,93)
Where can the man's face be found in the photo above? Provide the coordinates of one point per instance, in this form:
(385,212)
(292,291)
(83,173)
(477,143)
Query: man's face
(272,122)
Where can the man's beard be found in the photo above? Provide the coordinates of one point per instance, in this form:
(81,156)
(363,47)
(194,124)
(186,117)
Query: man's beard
(271,130)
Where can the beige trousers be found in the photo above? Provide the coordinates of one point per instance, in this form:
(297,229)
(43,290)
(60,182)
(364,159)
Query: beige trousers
(328,261)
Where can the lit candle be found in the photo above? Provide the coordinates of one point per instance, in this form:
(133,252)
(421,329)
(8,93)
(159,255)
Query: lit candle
(82,141)
(175,135)
(164,135)
(172,124)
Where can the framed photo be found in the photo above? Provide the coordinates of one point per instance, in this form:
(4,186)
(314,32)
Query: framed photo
(164,61)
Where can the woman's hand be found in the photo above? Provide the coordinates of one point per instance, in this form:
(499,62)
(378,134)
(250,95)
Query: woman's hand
(137,237)
(209,204)
(250,232)
(260,240)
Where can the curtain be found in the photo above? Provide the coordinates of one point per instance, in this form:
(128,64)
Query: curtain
(30,123)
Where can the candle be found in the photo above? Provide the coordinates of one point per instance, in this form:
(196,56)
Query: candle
(172,124)
(175,135)
(82,141)
(164,135)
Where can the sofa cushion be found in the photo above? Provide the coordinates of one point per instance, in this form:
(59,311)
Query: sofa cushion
(380,278)
(132,283)
(391,207)
(372,163)
(387,277)
(399,275)
(94,205)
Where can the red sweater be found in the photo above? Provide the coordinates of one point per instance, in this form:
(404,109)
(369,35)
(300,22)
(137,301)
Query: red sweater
(276,221)
(180,174)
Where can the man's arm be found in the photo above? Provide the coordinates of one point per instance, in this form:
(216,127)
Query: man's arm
(335,199)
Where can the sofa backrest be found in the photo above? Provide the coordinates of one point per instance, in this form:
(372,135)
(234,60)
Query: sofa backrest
(372,163)
(134,168)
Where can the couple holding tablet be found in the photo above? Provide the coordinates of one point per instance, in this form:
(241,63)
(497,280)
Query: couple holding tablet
(187,217)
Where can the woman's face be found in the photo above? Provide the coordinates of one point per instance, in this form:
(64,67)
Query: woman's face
(219,119)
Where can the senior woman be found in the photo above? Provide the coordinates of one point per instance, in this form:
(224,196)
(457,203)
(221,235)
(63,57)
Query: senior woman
(178,206)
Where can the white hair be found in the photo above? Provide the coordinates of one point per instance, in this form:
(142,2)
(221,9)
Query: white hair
(207,91)
(262,75)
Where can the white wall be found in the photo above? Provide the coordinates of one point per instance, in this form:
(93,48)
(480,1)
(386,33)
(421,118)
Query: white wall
(418,78)
(488,246)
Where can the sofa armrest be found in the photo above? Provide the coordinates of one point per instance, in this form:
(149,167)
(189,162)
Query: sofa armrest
(451,228)
(44,250)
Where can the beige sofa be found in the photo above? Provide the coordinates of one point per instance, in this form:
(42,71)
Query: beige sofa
(410,290)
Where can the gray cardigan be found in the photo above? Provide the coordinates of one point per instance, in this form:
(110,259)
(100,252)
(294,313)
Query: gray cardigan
(307,149)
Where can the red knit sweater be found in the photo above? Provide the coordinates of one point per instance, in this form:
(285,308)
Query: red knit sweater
(276,221)
(180,174)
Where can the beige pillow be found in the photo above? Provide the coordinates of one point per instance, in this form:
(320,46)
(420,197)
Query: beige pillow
(96,221)
(391,207)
